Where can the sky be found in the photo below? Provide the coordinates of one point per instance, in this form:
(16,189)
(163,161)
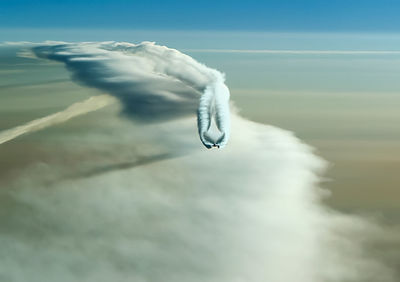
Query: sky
(275,15)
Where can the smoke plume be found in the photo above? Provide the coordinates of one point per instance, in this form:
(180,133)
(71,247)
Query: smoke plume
(129,206)
(153,82)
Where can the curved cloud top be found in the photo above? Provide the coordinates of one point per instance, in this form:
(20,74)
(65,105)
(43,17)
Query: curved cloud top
(153,82)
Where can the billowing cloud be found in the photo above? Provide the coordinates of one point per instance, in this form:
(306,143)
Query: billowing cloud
(133,207)
(250,212)
(153,82)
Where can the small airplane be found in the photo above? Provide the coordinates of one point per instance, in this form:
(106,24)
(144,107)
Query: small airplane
(213,137)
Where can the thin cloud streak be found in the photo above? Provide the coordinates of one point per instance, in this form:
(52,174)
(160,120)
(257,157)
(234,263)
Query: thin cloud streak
(298,52)
(92,104)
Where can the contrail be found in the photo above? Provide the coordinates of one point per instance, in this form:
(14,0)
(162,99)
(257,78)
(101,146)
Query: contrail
(150,199)
(92,104)
(151,81)
(297,52)
(213,116)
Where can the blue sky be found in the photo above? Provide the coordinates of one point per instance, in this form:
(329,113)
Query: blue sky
(275,15)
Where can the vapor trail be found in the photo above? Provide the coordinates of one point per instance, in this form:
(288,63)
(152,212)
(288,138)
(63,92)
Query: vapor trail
(132,208)
(92,104)
(153,82)
(213,116)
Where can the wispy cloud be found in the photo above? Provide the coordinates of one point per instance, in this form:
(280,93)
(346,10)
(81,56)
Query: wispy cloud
(298,52)
(92,104)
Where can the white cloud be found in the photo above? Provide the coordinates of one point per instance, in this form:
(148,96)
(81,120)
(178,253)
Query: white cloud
(250,212)
(153,82)
(152,205)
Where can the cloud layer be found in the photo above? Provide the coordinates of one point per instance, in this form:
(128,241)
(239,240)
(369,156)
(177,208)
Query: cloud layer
(153,82)
(250,212)
(143,202)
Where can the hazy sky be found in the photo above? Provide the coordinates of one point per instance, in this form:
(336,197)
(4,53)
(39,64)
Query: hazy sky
(275,15)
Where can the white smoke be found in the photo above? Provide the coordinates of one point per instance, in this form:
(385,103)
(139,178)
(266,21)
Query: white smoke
(248,213)
(213,115)
(132,208)
(153,82)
